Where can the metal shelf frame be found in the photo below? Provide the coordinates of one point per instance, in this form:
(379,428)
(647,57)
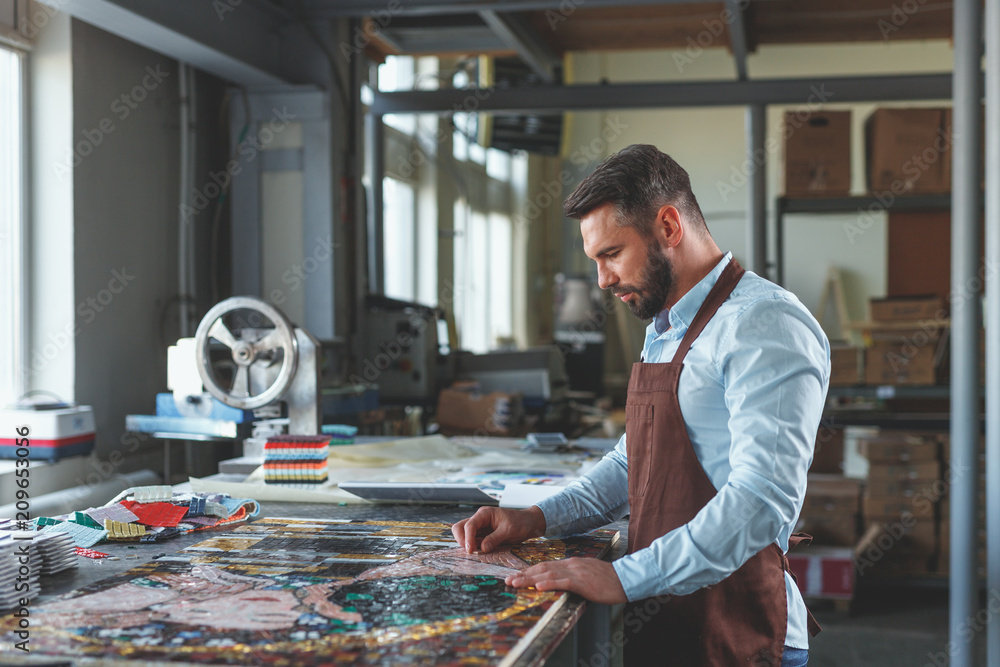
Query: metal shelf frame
(861,204)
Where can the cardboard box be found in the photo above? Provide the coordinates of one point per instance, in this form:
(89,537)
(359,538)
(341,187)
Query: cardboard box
(916,537)
(818,154)
(907,308)
(909,151)
(929,490)
(904,471)
(900,447)
(828,452)
(831,494)
(824,572)
(892,362)
(463,410)
(893,508)
(845,366)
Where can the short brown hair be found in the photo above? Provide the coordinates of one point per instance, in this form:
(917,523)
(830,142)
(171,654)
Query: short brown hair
(637,180)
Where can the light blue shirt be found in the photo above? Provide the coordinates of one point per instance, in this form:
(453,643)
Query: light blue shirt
(752,393)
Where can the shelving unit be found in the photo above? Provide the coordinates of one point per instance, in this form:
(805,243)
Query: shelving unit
(823,205)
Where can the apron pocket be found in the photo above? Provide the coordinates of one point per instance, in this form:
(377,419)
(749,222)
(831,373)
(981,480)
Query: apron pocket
(638,445)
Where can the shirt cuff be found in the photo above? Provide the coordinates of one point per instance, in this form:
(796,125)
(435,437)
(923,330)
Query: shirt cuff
(639,576)
(556,509)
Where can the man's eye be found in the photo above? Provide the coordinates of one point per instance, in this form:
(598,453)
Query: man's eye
(612,255)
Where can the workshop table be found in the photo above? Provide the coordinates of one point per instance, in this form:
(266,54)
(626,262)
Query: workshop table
(573,636)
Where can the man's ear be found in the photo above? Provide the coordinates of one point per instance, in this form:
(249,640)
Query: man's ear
(667,227)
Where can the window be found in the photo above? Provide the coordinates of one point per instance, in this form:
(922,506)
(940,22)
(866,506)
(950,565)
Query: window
(398,73)
(484,251)
(12,226)
(399,239)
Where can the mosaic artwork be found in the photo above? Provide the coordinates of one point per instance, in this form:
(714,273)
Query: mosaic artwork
(295,592)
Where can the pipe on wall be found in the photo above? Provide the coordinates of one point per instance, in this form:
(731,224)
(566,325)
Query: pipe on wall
(965,326)
(992,32)
(756,133)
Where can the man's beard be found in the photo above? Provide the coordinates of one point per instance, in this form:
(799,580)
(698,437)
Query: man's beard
(651,296)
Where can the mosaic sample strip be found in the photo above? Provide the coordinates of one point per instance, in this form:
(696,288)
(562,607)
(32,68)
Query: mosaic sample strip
(296,459)
(289,592)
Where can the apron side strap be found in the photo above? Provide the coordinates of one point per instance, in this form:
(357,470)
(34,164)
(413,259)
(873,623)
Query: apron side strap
(811,623)
(814,627)
(795,539)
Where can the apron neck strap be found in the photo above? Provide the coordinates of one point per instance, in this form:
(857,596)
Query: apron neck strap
(720,292)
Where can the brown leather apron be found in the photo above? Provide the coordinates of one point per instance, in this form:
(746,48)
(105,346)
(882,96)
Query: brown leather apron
(739,621)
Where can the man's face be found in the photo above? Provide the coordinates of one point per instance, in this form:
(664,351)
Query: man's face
(629,264)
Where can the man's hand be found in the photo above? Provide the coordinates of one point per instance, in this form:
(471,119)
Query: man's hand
(491,527)
(594,579)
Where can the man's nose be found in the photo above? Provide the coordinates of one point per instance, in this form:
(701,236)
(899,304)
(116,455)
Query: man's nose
(605,278)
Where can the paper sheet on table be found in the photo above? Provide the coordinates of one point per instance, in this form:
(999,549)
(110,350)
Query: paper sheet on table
(392,452)
(262,492)
(423,459)
(519,496)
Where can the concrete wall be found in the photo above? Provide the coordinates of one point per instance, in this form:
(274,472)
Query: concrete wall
(104,224)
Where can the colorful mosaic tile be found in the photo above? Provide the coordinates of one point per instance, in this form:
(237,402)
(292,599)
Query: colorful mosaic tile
(82,536)
(157,514)
(115,512)
(288,592)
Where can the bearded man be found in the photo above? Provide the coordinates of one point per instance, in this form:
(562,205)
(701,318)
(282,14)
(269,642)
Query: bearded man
(721,419)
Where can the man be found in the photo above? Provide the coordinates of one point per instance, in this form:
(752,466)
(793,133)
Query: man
(721,418)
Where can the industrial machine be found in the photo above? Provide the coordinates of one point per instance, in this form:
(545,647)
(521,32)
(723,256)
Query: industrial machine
(246,362)
(269,360)
(400,350)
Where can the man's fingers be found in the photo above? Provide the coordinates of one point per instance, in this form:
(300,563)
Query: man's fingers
(458,532)
(594,579)
(473,526)
(530,576)
(490,542)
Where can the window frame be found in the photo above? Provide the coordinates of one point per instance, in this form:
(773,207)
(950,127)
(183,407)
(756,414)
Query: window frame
(16,382)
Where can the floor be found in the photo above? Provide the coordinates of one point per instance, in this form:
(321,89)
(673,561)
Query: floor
(890,627)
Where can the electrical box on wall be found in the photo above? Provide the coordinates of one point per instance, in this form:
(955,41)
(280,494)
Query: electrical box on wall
(401,351)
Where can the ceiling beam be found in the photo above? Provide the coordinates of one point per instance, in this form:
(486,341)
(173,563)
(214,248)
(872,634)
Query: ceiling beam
(380,8)
(595,97)
(737,37)
(524,39)
(237,42)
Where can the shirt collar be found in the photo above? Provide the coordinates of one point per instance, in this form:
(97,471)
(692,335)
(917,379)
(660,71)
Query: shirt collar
(682,314)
